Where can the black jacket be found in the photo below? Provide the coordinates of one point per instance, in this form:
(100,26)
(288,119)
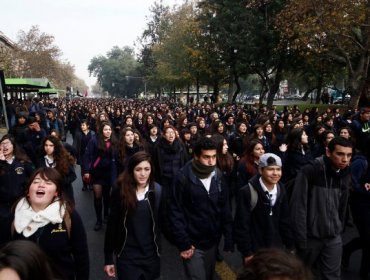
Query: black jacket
(293,161)
(256,229)
(319,201)
(13,180)
(197,217)
(116,233)
(168,159)
(69,253)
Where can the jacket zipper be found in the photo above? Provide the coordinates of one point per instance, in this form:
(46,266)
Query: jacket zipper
(124,243)
(155,235)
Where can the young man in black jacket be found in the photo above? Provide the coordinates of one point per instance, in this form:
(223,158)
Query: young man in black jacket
(200,212)
(262,217)
(318,207)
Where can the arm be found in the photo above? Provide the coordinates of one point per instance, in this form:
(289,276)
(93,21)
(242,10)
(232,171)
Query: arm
(71,176)
(358,169)
(176,214)
(80,249)
(242,222)
(112,228)
(298,207)
(227,219)
(89,156)
(285,225)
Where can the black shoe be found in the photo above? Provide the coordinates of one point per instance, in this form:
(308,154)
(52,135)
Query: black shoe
(98,226)
(84,188)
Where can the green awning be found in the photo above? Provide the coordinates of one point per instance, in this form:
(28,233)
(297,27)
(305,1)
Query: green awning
(27,83)
(50,90)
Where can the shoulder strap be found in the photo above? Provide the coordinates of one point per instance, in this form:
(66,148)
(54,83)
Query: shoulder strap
(254,197)
(68,223)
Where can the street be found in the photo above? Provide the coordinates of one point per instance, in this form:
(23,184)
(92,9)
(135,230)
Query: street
(171,266)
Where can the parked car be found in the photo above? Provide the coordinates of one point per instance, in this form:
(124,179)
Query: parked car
(293,97)
(339,100)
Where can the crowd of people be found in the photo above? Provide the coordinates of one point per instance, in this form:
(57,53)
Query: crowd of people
(258,178)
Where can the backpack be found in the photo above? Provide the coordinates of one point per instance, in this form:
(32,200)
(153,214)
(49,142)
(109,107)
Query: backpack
(254,197)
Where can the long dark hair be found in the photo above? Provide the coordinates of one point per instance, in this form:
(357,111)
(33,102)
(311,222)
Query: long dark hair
(224,162)
(248,158)
(28,260)
(126,180)
(100,137)
(62,157)
(294,140)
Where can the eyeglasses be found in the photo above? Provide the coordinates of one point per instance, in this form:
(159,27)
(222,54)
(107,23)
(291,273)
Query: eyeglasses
(7,143)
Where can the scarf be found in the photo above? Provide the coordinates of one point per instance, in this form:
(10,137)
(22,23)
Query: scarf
(27,221)
(200,170)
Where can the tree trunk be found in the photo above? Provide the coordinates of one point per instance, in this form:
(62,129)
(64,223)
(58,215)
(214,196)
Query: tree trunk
(230,89)
(188,95)
(198,86)
(275,85)
(357,89)
(238,88)
(216,90)
(319,89)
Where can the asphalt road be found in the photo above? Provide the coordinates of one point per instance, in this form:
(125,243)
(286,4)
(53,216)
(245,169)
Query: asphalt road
(171,265)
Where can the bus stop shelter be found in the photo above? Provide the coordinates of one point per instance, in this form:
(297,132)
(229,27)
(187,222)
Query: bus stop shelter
(19,87)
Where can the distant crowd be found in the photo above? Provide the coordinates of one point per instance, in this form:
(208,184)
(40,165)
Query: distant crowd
(160,167)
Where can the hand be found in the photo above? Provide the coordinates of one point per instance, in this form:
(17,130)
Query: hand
(367,186)
(188,253)
(2,157)
(36,126)
(283,147)
(110,270)
(247,259)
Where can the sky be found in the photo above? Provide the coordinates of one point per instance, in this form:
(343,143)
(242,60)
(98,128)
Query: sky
(82,28)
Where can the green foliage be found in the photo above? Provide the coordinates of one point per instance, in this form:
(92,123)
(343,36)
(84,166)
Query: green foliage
(329,32)
(118,72)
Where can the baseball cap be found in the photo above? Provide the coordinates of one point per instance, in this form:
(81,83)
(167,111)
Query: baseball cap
(269,159)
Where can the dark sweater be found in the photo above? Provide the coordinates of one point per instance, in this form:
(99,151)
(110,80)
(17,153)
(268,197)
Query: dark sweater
(256,229)
(198,217)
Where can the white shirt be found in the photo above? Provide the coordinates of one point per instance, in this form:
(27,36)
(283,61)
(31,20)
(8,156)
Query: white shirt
(141,195)
(272,195)
(207,181)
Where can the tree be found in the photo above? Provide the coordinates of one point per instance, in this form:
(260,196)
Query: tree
(339,35)
(151,36)
(115,72)
(178,55)
(246,40)
(35,55)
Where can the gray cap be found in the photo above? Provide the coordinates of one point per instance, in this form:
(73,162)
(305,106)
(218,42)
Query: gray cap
(269,159)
